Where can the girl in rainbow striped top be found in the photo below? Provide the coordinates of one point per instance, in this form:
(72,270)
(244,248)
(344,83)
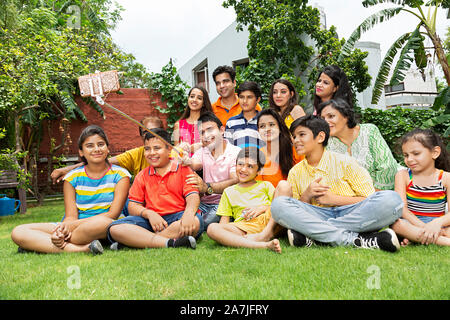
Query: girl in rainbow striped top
(94,195)
(424,188)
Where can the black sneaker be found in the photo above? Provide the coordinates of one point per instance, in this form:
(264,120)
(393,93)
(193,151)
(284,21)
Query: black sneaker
(96,247)
(296,239)
(385,240)
(187,242)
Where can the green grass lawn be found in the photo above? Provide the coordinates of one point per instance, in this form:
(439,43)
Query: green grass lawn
(215,272)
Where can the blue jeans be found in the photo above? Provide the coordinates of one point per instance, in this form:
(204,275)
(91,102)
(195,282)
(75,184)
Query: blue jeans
(209,213)
(338,225)
(144,223)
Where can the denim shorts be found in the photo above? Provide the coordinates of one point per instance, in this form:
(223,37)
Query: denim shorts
(144,223)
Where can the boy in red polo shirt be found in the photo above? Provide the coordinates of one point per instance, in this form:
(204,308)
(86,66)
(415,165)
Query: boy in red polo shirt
(163,207)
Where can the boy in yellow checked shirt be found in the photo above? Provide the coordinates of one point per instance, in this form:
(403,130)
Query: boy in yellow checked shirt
(329,198)
(247,203)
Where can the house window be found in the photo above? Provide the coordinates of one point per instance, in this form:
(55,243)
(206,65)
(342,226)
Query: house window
(395,88)
(201,75)
(242,63)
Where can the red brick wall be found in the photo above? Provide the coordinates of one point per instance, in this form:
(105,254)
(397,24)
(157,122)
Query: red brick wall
(122,133)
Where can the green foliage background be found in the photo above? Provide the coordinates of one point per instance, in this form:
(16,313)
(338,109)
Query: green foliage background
(394,123)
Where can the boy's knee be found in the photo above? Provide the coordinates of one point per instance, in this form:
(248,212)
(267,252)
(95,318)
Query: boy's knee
(283,189)
(393,201)
(278,207)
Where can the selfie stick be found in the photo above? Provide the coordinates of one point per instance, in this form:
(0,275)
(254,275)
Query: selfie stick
(100,101)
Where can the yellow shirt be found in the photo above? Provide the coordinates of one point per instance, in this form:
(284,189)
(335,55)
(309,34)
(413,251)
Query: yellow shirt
(134,160)
(342,173)
(288,121)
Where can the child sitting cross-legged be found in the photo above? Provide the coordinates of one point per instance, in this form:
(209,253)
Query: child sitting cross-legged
(163,207)
(247,203)
(328,198)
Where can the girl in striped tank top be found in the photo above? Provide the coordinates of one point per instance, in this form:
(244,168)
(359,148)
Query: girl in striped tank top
(94,195)
(424,188)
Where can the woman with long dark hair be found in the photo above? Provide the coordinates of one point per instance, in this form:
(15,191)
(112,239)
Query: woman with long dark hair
(283,98)
(185,131)
(279,152)
(332,83)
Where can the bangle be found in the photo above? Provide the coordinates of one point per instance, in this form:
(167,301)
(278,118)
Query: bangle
(140,214)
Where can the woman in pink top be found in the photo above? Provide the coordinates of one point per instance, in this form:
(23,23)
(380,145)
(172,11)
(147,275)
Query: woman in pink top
(185,131)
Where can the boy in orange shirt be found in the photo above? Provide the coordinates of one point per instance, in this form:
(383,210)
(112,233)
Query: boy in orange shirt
(162,207)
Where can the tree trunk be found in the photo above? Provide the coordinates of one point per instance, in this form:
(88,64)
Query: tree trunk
(441,56)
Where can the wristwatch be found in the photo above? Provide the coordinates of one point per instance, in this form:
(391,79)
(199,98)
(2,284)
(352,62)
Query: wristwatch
(209,189)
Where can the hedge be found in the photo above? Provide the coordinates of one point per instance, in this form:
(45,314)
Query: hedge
(394,123)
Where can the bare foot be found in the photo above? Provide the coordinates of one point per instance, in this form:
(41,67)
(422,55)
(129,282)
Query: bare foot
(404,242)
(274,245)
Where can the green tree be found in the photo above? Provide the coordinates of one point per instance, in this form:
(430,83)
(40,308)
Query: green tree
(44,47)
(410,45)
(286,40)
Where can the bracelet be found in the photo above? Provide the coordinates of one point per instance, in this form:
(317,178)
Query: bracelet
(140,214)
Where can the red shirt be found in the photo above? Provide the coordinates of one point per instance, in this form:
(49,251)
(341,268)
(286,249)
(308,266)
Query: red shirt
(162,194)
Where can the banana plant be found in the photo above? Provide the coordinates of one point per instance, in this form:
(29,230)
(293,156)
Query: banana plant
(410,45)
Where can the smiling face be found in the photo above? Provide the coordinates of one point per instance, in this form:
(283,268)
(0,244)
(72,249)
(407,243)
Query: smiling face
(304,141)
(195,99)
(94,149)
(417,157)
(268,128)
(224,85)
(211,135)
(156,153)
(325,87)
(335,120)
(281,95)
(246,169)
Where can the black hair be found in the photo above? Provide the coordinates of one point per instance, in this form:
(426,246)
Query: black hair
(343,108)
(285,155)
(249,86)
(429,139)
(209,117)
(253,153)
(315,124)
(90,131)
(340,80)
(224,69)
(206,106)
(292,100)
(159,131)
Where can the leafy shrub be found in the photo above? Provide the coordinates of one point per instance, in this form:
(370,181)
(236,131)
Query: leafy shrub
(394,123)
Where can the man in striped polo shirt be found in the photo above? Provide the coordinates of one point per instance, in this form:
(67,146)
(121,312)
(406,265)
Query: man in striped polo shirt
(242,129)
(328,198)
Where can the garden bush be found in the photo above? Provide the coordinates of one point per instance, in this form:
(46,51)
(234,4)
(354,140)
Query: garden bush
(394,123)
